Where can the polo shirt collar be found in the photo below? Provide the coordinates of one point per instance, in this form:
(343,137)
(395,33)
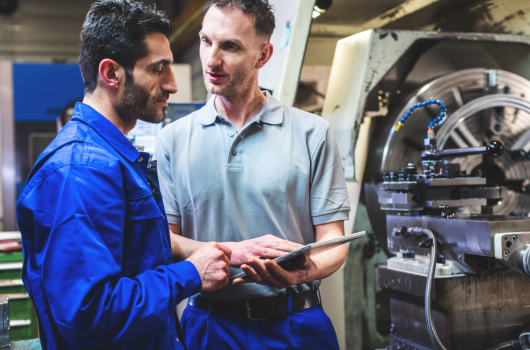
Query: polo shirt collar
(108,131)
(271,113)
(208,113)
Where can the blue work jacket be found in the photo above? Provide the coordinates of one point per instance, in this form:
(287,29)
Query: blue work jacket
(97,252)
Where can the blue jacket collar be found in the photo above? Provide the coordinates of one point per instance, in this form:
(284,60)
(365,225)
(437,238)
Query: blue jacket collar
(108,131)
(270,114)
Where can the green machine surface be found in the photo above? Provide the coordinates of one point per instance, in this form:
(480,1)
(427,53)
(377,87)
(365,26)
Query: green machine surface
(22,316)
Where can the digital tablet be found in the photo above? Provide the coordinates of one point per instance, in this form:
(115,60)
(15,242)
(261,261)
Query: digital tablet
(310,250)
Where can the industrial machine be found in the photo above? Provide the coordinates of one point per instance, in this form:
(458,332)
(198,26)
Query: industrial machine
(444,172)
(453,269)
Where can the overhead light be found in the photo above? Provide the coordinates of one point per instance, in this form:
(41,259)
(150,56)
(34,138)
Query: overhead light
(317,11)
(321,6)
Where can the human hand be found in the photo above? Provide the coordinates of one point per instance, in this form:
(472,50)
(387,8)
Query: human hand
(267,246)
(271,274)
(213,264)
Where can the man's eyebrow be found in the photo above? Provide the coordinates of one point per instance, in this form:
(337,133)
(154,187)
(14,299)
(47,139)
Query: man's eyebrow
(162,61)
(230,41)
(224,41)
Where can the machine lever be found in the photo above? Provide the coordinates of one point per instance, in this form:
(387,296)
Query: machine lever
(494,148)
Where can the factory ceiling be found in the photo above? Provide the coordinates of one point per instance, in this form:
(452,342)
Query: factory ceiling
(46,30)
(347,17)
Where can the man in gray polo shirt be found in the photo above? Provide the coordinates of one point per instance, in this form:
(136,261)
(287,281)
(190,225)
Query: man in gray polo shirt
(263,178)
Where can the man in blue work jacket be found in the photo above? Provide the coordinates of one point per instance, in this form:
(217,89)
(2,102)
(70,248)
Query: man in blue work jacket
(97,252)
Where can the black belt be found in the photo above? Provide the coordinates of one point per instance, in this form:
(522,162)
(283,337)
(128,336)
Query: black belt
(259,309)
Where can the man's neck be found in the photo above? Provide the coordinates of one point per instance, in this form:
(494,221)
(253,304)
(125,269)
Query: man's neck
(103,106)
(239,111)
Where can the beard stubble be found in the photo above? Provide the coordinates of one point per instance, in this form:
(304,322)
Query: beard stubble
(137,103)
(237,87)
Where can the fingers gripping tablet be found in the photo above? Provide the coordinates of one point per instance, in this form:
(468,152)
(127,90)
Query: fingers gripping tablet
(311,250)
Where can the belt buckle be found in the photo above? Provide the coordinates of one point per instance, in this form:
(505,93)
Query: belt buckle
(249,315)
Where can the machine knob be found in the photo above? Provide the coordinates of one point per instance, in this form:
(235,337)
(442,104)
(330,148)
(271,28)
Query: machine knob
(495,148)
(408,254)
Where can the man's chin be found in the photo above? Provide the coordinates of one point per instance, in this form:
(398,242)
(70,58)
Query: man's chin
(214,89)
(153,119)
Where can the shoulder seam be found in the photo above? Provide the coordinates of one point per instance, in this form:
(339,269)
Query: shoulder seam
(321,139)
(62,166)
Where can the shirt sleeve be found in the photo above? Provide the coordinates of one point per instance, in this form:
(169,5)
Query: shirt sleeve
(79,218)
(167,187)
(328,194)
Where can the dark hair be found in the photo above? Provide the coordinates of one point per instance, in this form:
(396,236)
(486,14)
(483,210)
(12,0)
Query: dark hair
(116,29)
(262,11)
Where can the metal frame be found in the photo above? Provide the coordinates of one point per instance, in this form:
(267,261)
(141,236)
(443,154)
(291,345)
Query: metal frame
(292,67)
(361,61)
(7,147)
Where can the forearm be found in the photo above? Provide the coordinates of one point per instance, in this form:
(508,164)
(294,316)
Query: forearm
(327,263)
(182,247)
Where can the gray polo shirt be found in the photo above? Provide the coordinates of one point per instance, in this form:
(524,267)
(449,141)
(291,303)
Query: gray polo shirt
(280,175)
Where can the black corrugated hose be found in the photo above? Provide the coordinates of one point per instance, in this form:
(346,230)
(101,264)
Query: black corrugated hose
(432,268)
(512,344)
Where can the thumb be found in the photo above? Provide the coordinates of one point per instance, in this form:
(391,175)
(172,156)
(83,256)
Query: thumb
(226,250)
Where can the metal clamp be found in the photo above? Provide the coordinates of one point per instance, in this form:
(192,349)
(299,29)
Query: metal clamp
(407,231)
(513,249)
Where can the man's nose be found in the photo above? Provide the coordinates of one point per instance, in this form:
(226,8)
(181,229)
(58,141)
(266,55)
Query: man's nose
(213,58)
(171,84)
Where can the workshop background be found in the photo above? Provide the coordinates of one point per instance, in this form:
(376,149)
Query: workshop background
(39,78)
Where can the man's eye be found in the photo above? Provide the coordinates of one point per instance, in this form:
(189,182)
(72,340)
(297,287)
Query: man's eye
(159,71)
(232,47)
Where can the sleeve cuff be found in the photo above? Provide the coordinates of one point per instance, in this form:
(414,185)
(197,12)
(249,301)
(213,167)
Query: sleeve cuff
(188,281)
(326,218)
(174,219)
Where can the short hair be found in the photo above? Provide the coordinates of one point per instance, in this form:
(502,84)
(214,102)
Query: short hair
(262,11)
(116,29)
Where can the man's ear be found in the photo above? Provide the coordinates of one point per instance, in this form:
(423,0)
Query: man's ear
(265,54)
(111,73)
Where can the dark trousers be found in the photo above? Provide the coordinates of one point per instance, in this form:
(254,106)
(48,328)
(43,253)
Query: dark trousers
(309,329)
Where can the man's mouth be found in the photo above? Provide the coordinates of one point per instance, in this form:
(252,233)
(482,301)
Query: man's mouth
(163,102)
(214,77)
